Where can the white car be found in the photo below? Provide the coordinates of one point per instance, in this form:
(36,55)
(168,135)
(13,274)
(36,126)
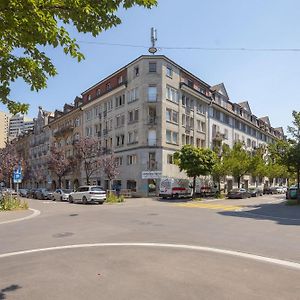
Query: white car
(61,195)
(88,194)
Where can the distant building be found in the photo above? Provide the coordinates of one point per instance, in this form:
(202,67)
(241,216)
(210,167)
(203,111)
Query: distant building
(4,126)
(19,124)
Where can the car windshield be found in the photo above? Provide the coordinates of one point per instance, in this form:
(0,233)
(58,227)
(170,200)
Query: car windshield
(96,189)
(67,191)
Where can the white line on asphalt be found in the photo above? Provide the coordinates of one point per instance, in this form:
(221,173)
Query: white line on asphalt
(34,214)
(275,261)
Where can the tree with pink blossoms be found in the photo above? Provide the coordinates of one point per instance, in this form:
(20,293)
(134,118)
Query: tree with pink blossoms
(58,163)
(88,155)
(9,161)
(109,166)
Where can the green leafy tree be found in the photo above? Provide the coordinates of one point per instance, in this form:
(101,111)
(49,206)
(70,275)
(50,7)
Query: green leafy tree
(28,27)
(258,164)
(195,161)
(238,162)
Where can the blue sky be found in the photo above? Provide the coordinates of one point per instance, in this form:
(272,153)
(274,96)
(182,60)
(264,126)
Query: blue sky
(268,80)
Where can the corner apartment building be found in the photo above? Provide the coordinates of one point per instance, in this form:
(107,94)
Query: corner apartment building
(4,127)
(150,108)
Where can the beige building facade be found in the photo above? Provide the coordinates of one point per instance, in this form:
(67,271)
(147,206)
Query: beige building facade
(4,128)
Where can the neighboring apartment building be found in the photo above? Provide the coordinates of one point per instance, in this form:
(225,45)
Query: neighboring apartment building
(39,174)
(150,108)
(19,124)
(65,128)
(4,127)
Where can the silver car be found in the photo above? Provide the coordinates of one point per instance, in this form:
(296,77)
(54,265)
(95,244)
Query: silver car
(88,194)
(61,195)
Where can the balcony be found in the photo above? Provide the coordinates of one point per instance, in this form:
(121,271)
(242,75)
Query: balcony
(152,120)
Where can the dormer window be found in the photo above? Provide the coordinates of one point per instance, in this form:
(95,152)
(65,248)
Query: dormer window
(98,92)
(136,71)
(89,97)
(190,83)
(108,86)
(120,79)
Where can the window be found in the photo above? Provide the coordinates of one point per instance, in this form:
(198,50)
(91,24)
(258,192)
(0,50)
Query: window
(119,160)
(171,137)
(88,131)
(108,86)
(248,143)
(133,95)
(98,92)
(109,105)
(120,121)
(168,136)
(172,94)
(136,71)
(77,122)
(131,185)
(152,137)
(131,159)
(152,93)
(200,108)
(226,134)
(133,137)
(120,79)
(183,119)
(152,67)
(88,115)
(168,114)
(89,97)
(120,100)
(133,116)
(120,140)
(190,83)
(169,72)
(170,159)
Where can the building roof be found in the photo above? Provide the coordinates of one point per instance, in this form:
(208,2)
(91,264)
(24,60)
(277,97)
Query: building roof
(220,88)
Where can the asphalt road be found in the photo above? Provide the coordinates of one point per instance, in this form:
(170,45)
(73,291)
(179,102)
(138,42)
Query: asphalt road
(150,249)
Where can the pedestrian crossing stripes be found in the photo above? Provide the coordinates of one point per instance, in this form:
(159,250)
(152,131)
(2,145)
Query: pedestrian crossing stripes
(220,207)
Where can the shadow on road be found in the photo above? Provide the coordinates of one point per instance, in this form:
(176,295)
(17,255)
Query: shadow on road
(278,212)
(174,200)
(10,288)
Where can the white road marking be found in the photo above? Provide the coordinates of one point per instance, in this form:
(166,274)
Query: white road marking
(264,259)
(34,214)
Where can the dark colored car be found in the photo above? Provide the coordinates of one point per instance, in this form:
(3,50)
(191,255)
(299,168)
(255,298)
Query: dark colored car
(255,192)
(23,192)
(43,194)
(31,193)
(270,190)
(239,194)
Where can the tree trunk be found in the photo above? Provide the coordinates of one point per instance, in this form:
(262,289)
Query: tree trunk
(239,181)
(194,187)
(59,182)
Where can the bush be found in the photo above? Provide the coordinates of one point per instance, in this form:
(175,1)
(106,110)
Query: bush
(112,198)
(9,202)
(291,202)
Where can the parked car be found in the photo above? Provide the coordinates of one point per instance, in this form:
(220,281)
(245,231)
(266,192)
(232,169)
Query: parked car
(279,189)
(23,192)
(255,192)
(239,194)
(31,193)
(43,194)
(10,191)
(291,193)
(270,190)
(61,195)
(88,194)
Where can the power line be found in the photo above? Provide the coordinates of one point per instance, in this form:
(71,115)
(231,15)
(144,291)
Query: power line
(196,48)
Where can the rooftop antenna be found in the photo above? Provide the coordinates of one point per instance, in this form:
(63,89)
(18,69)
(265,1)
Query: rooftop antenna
(153,49)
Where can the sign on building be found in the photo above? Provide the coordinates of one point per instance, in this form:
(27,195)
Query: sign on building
(151,174)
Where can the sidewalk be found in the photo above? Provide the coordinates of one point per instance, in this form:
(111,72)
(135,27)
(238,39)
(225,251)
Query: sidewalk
(14,214)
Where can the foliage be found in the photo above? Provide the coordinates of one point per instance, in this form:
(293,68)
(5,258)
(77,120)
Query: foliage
(9,202)
(295,131)
(9,160)
(112,198)
(29,27)
(292,202)
(58,163)
(195,161)
(87,153)
(237,161)
(110,167)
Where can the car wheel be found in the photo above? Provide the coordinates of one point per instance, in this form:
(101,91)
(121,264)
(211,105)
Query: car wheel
(61,199)
(84,200)
(71,200)
(99,203)
(53,199)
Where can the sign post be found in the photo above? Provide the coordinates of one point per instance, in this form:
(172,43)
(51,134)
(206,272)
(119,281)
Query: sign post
(17,177)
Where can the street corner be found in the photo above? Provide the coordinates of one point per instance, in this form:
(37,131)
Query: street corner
(7,217)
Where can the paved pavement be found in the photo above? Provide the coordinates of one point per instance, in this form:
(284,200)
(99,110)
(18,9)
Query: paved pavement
(260,226)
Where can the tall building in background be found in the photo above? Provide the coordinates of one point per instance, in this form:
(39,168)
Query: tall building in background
(19,124)
(4,126)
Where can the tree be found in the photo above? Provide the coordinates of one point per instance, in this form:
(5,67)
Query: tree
(219,170)
(110,168)
(258,168)
(238,162)
(58,163)
(88,155)
(28,27)
(9,160)
(195,161)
